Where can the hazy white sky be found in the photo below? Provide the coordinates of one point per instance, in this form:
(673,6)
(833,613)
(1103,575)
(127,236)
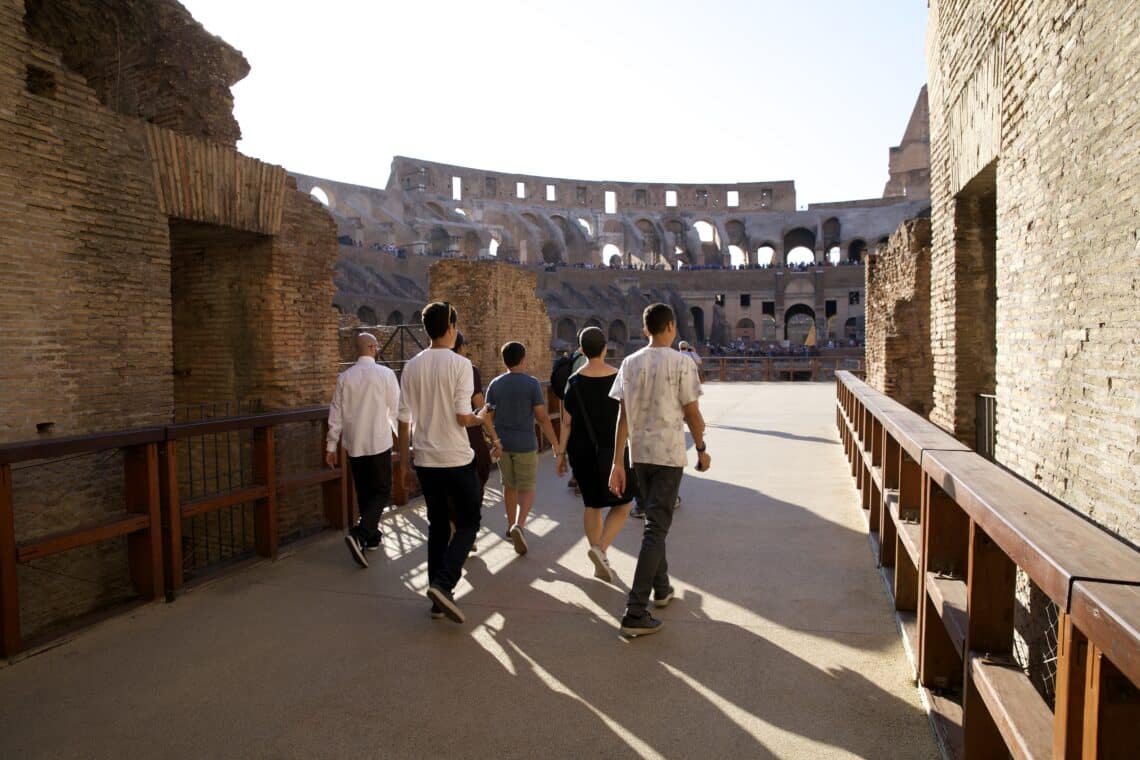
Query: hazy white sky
(706,91)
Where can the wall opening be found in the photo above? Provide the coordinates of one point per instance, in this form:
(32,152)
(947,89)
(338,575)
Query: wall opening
(736,256)
(670,199)
(732,198)
(801,256)
(320,196)
(698,315)
(611,202)
(520,190)
(764,255)
(456,189)
(551,193)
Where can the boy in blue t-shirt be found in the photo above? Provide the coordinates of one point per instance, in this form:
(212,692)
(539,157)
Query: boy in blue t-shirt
(514,401)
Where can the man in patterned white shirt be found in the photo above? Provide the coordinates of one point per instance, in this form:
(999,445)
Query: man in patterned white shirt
(362,416)
(658,389)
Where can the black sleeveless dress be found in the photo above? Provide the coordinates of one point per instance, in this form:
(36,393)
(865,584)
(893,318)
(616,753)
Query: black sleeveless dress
(589,396)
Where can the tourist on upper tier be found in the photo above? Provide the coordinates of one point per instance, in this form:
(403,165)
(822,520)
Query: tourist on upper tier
(361,416)
(589,421)
(659,391)
(435,408)
(514,401)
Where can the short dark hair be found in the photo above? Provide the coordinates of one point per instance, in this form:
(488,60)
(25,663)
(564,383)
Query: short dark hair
(513,353)
(657,318)
(593,342)
(437,316)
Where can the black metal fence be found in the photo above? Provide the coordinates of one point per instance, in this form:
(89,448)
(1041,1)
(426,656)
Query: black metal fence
(985,430)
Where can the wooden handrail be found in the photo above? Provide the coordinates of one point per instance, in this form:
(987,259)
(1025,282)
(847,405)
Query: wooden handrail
(953,574)
(62,446)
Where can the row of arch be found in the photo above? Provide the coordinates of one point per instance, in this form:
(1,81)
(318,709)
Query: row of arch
(566,329)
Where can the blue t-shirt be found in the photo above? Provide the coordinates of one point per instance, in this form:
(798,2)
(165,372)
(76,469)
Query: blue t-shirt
(514,396)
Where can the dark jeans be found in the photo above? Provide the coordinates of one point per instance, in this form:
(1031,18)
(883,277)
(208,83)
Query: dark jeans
(457,487)
(659,485)
(372,477)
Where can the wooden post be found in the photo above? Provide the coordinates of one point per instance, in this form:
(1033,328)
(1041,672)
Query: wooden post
(990,595)
(1069,710)
(723,369)
(332,491)
(144,548)
(265,473)
(1112,710)
(9,585)
(172,527)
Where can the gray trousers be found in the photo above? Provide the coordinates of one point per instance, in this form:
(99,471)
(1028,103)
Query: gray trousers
(659,485)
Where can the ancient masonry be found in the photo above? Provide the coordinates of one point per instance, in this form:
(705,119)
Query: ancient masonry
(147,264)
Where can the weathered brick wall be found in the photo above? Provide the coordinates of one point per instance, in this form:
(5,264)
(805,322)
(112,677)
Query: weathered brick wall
(898,317)
(1036,86)
(496,303)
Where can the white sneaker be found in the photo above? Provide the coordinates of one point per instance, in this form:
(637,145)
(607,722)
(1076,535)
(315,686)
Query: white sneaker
(601,564)
(519,539)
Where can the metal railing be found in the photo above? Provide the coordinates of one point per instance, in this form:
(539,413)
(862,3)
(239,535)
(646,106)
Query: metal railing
(985,425)
(772,368)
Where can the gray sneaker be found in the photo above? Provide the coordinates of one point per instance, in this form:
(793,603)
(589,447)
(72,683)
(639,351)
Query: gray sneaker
(354,549)
(446,603)
(662,600)
(601,564)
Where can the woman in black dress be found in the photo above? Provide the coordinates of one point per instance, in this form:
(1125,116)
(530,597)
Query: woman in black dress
(589,417)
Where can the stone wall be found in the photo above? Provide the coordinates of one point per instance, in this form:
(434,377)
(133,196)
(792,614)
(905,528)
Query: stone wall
(1025,105)
(898,318)
(496,303)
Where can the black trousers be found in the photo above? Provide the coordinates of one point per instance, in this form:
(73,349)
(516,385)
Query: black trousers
(456,487)
(372,477)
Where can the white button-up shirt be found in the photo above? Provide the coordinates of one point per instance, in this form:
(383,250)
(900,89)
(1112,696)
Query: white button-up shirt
(656,383)
(364,408)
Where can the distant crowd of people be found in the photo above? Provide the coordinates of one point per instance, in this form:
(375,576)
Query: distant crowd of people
(622,436)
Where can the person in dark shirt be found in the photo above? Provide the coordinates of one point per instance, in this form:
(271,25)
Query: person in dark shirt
(589,420)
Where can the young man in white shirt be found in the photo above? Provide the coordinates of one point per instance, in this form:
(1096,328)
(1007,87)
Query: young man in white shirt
(435,409)
(361,416)
(658,389)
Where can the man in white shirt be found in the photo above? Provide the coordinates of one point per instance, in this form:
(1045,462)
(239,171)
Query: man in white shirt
(435,409)
(361,416)
(658,389)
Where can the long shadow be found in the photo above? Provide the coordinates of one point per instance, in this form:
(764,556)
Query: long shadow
(776,434)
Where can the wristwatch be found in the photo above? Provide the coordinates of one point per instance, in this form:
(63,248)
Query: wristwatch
(701,448)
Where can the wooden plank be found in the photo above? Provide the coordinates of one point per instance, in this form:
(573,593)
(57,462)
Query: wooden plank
(1054,545)
(50,448)
(221,501)
(948,599)
(62,541)
(172,522)
(9,581)
(1112,710)
(1108,614)
(1022,718)
(909,533)
(302,479)
(946,720)
(917,434)
(226,424)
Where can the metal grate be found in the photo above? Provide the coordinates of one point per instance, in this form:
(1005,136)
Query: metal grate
(985,424)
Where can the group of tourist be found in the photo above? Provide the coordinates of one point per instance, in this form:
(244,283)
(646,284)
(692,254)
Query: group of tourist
(622,435)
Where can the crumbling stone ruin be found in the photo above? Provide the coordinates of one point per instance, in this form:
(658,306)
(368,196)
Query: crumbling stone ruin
(148,265)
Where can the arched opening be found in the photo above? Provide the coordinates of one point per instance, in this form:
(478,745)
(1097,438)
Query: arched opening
(551,252)
(595,322)
(764,255)
(831,232)
(798,321)
(746,330)
(855,250)
(320,196)
(768,328)
(800,237)
(567,331)
(736,256)
(395,318)
(366,315)
(734,229)
(619,333)
(439,240)
(471,244)
(851,329)
(611,254)
(801,256)
(493,247)
(698,315)
(707,232)
(650,240)
(833,255)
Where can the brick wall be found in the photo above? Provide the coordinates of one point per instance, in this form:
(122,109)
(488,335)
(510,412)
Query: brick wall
(496,303)
(1034,91)
(898,318)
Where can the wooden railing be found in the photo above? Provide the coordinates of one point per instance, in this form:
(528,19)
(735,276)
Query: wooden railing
(768,368)
(153,511)
(951,529)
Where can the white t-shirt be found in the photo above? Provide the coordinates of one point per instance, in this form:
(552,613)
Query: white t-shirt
(436,385)
(655,384)
(363,409)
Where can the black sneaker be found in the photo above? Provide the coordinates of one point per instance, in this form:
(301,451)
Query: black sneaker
(640,626)
(436,612)
(375,544)
(662,600)
(354,549)
(637,511)
(446,603)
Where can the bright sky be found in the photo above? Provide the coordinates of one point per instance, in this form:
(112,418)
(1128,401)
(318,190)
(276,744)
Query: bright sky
(643,90)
